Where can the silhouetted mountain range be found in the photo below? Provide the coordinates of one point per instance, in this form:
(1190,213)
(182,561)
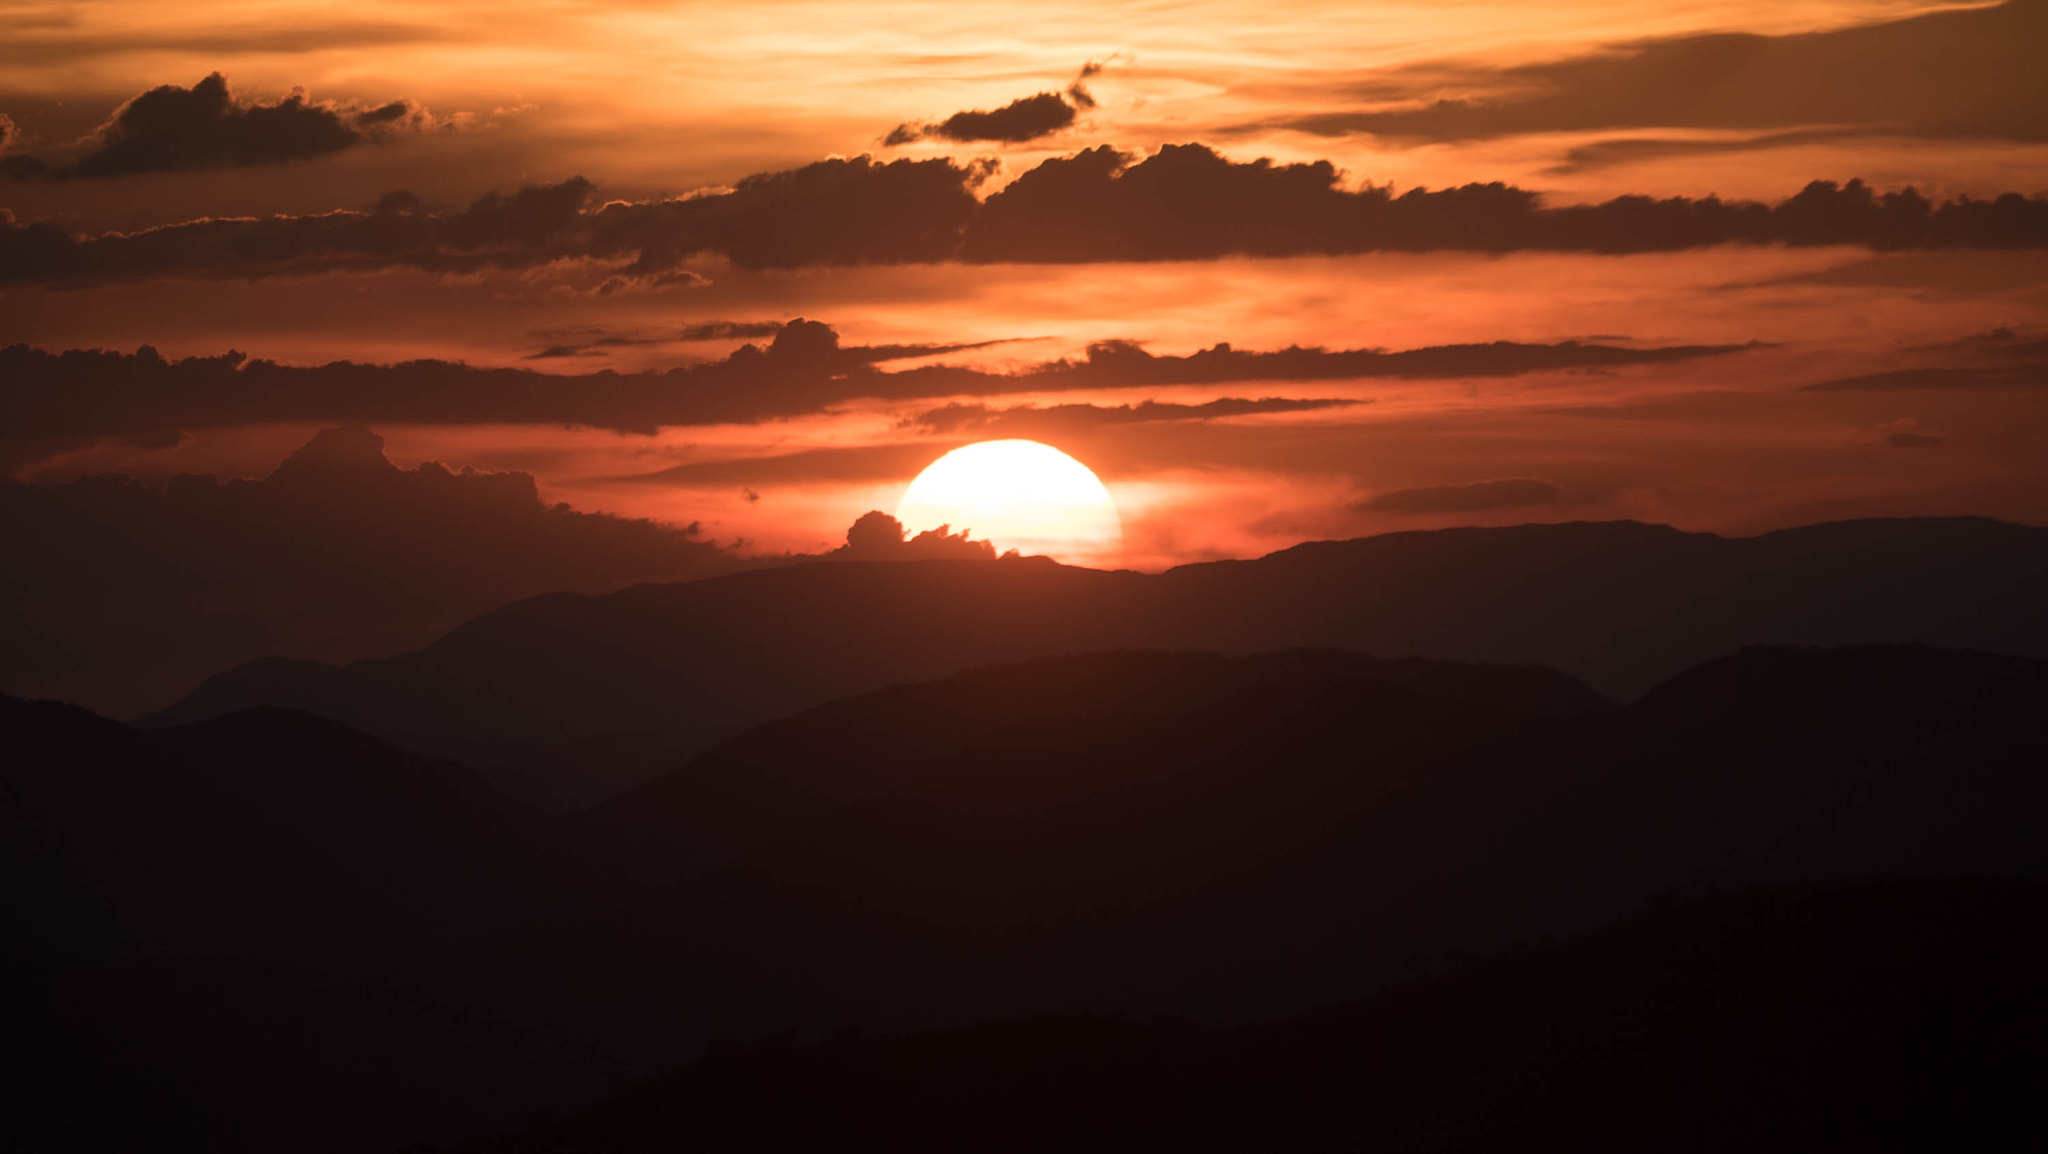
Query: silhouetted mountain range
(133,594)
(1223,838)
(1899,1015)
(568,698)
(267,835)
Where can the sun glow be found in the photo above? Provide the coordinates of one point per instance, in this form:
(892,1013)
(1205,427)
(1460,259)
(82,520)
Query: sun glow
(1019,495)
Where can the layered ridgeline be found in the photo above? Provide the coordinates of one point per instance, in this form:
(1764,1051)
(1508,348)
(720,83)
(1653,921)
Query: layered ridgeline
(567,698)
(1222,838)
(1901,1014)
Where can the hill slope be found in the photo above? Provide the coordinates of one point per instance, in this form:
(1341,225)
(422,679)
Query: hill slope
(568,698)
(1894,1015)
(1223,838)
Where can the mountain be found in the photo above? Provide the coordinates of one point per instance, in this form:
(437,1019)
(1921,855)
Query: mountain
(1270,831)
(135,592)
(566,698)
(1106,715)
(1223,838)
(1895,1015)
(263,836)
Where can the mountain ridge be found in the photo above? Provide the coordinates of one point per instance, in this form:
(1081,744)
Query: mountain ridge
(571,698)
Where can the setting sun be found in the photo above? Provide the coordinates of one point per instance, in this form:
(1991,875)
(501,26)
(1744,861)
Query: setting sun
(1019,495)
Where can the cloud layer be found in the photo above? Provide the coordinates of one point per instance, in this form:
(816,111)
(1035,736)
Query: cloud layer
(173,129)
(1184,202)
(50,398)
(1971,73)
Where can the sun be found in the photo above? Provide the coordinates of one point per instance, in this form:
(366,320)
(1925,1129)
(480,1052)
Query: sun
(1018,495)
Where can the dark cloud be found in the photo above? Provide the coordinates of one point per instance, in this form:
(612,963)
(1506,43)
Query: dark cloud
(395,112)
(1475,497)
(261,37)
(1184,202)
(728,330)
(1967,73)
(16,166)
(55,398)
(592,342)
(1630,150)
(853,211)
(1032,420)
(1027,118)
(853,463)
(1078,90)
(134,593)
(173,129)
(533,226)
(876,536)
(2001,341)
(1120,363)
(1912,440)
(1945,378)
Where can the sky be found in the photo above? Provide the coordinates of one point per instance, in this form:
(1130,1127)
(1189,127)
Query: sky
(1180,241)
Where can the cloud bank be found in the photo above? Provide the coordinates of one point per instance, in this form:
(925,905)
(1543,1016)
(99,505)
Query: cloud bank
(1184,202)
(49,399)
(173,129)
(1957,74)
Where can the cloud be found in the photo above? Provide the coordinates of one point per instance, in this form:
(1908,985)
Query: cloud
(1952,74)
(593,341)
(16,166)
(1943,378)
(173,129)
(728,330)
(1475,497)
(2000,339)
(237,39)
(1912,440)
(876,536)
(1026,118)
(1078,90)
(1030,420)
(49,398)
(1121,363)
(133,593)
(1187,202)
(1630,150)
(1184,202)
(851,463)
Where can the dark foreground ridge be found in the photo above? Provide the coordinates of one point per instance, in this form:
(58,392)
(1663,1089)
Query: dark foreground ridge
(268,932)
(1890,1015)
(568,698)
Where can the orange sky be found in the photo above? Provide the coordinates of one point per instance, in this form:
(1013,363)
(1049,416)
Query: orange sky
(650,100)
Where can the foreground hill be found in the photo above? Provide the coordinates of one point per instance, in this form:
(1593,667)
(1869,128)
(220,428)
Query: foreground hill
(569,698)
(1280,830)
(1879,1016)
(1221,838)
(265,835)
